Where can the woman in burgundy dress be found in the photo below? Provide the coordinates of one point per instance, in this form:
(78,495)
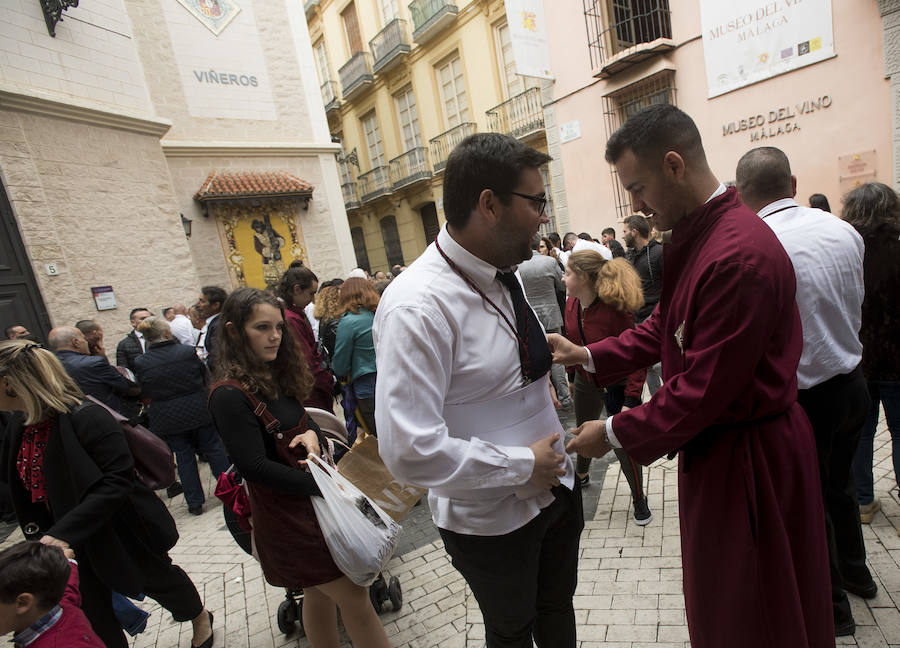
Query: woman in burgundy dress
(257,406)
(602,297)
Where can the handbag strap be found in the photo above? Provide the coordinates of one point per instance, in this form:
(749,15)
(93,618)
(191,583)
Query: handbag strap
(260,410)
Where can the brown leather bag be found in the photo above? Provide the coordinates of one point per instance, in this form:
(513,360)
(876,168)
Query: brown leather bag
(154,463)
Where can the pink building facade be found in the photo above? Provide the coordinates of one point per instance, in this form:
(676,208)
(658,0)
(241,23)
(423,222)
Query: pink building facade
(833,118)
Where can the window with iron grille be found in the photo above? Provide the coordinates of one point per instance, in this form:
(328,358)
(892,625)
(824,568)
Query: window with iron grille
(430,222)
(391,238)
(622,104)
(359,247)
(616,25)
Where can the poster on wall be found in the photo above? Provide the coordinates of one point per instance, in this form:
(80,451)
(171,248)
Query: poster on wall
(528,35)
(745,42)
(260,242)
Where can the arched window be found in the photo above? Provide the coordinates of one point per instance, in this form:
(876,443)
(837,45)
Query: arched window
(391,238)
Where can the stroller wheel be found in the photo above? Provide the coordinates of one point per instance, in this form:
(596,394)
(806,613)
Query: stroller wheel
(287,616)
(395,594)
(375,597)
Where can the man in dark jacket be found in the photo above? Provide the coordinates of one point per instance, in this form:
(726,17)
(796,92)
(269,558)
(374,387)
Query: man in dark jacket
(132,345)
(646,255)
(93,374)
(209,305)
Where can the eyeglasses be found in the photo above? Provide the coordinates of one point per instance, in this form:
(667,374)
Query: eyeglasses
(540,199)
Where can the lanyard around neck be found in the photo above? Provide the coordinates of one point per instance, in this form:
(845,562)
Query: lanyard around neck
(471,283)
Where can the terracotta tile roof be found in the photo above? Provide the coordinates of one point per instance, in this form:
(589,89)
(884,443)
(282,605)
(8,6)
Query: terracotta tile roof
(222,185)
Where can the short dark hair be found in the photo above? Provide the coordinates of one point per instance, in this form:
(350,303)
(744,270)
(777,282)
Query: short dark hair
(609,230)
(484,161)
(763,175)
(554,238)
(166,310)
(137,310)
(569,236)
(638,223)
(655,130)
(34,568)
(214,294)
(303,277)
(819,201)
(297,263)
(8,330)
(584,236)
(87,326)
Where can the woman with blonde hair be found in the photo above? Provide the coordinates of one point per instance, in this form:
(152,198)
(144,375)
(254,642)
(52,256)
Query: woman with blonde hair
(602,298)
(73,485)
(328,312)
(354,349)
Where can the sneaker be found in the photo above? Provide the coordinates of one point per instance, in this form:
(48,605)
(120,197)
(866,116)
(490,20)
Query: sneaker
(566,403)
(867,511)
(845,628)
(196,510)
(174,490)
(585,479)
(642,514)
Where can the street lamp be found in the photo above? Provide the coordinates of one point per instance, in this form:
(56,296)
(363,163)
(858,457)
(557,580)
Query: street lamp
(186,224)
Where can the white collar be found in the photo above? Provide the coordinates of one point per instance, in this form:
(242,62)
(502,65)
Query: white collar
(478,270)
(778,205)
(718,192)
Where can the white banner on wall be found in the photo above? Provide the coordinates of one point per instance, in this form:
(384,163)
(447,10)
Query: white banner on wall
(221,64)
(528,34)
(748,41)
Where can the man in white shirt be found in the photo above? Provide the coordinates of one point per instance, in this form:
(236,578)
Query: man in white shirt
(463,405)
(827,255)
(181,326)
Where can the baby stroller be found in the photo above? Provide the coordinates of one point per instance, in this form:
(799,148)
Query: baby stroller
(290,610)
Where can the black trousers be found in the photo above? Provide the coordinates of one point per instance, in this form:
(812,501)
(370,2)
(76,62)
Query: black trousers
(837,410)
(524,580)
(167,584)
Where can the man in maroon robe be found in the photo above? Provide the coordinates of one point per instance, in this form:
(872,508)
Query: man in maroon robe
(728,333)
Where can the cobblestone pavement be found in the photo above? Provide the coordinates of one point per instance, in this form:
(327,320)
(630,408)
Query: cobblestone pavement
(629,592)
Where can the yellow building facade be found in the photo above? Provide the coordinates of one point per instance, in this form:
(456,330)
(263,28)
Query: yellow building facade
(403,83)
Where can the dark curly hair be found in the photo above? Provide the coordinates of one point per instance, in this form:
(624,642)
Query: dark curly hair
(288,373)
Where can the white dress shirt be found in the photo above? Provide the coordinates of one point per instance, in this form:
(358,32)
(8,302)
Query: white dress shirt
(438,344)
(827,254)
(582,244)
(183,330)
(202,353)
(140,337)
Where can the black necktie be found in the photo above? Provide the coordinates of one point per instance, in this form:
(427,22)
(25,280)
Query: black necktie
(534,352)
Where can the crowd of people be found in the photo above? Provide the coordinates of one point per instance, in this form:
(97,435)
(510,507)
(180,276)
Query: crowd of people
(759,356)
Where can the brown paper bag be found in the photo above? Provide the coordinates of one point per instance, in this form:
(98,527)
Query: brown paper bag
(363,466)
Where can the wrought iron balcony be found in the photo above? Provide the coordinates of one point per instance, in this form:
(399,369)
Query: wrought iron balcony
(622,33)
(445,142)
(356,74)
(389,45)
(521,116)
(330,96)
(430,17)
(351,196)
(374,183)
(411,167)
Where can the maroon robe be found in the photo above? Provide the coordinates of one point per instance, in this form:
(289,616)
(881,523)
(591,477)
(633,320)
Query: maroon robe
(752,524)
(322,394)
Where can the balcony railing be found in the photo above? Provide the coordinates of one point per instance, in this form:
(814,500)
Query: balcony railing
(521,116)
(445,142)
(430,17)
(624,32)
(374,183)
(351,196)
(389,45)
(411,167)
(356,74)
(330,96)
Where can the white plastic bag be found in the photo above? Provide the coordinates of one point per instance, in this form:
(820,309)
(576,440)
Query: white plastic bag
(360,535)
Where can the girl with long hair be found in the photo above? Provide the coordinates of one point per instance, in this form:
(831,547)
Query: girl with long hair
(328,312)
(602,297)
(354,349)
(72,480)
(257,406)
